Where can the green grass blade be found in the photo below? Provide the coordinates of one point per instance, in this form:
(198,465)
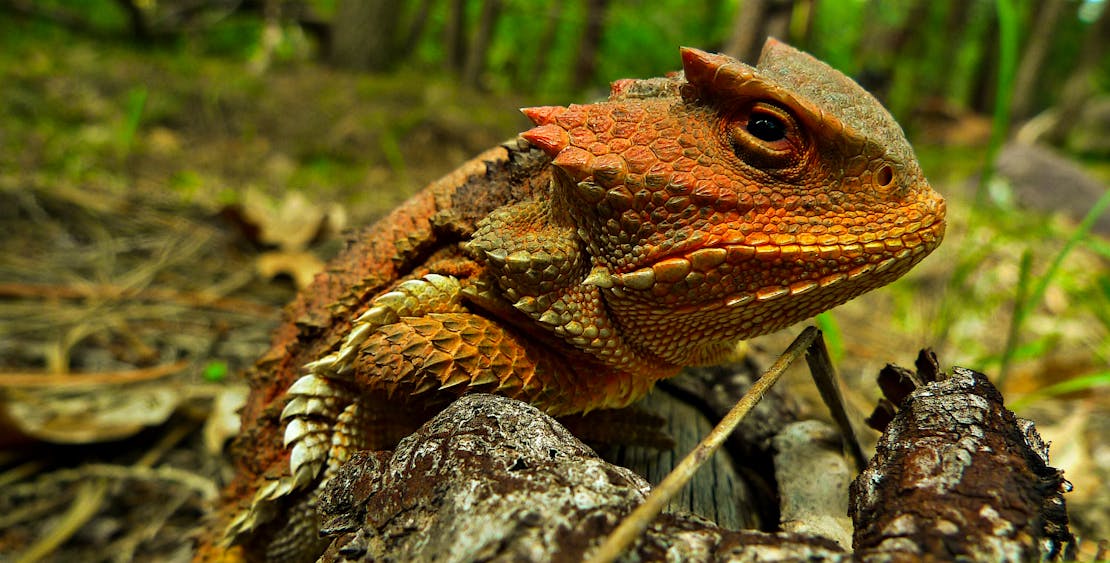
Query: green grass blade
(1080,233)
(834,337)
(1017,318)
(1073,385)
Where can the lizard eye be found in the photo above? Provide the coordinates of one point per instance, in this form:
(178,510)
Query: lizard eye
(766,127)
(766,135)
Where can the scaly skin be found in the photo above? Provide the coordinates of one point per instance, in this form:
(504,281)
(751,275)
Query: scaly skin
(613,244)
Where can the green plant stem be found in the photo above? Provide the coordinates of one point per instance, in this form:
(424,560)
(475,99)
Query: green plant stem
(1080,233)
(1025,300)
(1009,31)
(136,103)
(1017,318)
(834,337)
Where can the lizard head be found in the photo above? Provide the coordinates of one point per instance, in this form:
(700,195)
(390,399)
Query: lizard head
(734,200)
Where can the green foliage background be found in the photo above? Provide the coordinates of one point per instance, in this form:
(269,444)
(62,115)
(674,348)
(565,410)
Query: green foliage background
(80,108)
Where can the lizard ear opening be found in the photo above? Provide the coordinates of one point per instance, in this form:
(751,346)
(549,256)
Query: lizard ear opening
(885,176)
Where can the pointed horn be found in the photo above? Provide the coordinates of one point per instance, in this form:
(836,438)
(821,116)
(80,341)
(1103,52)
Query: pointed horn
(543,115)
(550,138)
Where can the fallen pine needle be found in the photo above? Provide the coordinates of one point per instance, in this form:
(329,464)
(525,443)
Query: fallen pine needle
(87,503)
(91,495)
(25,380)
(192,299)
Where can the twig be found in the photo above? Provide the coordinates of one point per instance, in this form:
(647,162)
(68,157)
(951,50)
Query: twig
(1025,303)
(635,523)
(191,299)
(20,472)
(187,479)
(91,494)
(26,380)
(125,547)
(30,510)
(165,444)
(824,376)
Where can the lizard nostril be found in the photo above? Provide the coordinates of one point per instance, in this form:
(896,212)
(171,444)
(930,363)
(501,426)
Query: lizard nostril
(885,176)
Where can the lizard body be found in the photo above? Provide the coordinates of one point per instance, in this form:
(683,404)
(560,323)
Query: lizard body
(572,268)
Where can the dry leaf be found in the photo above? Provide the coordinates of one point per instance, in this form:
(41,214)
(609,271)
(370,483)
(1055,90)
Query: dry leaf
(299,265)
(97,414)
(293,222)
(223,421)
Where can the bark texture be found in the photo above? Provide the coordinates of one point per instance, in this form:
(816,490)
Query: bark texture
(957,476)
(491,478)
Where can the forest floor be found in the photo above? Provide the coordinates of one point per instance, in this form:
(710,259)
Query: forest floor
(161,208)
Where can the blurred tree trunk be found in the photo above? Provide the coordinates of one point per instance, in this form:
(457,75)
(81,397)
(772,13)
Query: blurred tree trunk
(777,23)
(585,65)
(476,58)
(746,30)
(968,57)
(455,36)
(880,41)
(876,53)
(945,51)
(901,51)
(139,29)
(931,54)
(983,99)
(714,12)
(545,44)
(364,34)
(416,27)
(1040,33)
(805,36)
(756,21)
(1080,86)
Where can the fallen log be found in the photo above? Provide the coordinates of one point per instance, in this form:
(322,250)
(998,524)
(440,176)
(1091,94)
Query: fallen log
(956,476)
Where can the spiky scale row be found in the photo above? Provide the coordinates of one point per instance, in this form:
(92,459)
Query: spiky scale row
(458,353)
(320,413)
(527,252)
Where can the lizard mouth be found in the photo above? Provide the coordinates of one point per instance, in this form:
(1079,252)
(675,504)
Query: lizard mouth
(755,269)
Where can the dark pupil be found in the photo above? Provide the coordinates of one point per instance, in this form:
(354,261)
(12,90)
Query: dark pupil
(766,127)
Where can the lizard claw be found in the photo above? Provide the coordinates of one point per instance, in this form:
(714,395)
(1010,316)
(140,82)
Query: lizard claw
(314,407)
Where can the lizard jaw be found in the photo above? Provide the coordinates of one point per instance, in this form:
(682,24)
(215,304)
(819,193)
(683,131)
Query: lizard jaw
(665,316)
(847,259)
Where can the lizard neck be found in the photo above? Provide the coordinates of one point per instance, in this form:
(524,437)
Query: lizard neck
(536,268)
(611,358)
